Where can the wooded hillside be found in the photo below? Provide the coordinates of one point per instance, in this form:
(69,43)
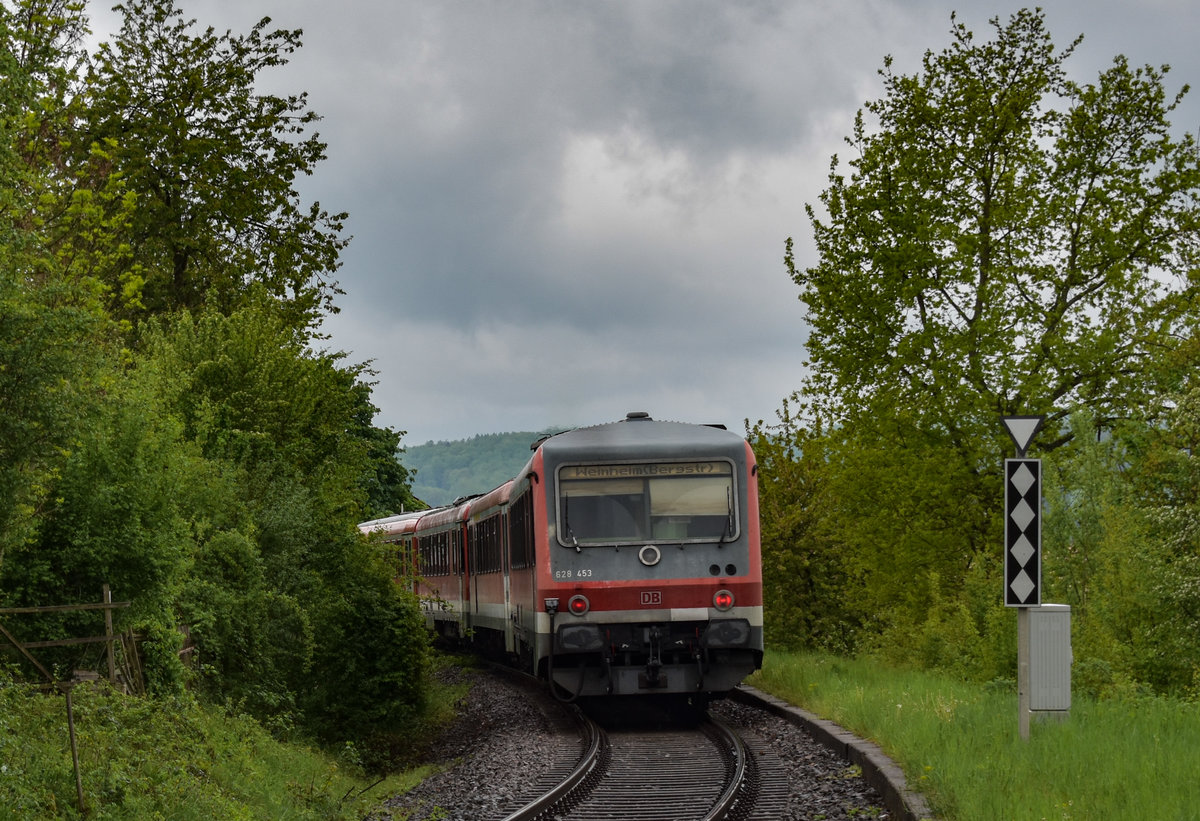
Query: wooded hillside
(443,471)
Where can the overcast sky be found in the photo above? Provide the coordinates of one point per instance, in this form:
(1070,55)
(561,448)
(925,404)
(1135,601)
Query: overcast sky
(564,211)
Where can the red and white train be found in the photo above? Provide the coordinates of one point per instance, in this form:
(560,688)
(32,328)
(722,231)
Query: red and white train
(623,559)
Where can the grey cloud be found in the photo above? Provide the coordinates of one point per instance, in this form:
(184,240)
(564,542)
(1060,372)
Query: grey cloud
(580,208)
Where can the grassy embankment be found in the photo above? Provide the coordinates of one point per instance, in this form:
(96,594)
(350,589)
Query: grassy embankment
(144,758)
(958,743)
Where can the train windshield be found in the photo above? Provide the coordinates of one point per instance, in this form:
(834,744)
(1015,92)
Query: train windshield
(642,502)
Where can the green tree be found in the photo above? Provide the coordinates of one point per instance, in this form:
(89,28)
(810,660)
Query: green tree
(117,513)
(907,530)
(1101,555)
(51,361)
(53,335)
(214,473)
(289,599)
(1008,241)
(213,164)
(809,590)
(1166,481)
(388,483)
(70,208)
(370,655)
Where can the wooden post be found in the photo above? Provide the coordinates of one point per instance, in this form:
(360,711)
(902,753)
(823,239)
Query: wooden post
(74,751)
(108,631)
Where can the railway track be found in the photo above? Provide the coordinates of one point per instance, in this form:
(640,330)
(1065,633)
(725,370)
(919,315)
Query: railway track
(704,772)
(517,755)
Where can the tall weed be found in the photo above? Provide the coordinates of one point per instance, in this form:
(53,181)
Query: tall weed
(166,758)
(958,742)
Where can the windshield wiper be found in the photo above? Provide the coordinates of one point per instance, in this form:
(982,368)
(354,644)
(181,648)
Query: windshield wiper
(567,523)
(727,531)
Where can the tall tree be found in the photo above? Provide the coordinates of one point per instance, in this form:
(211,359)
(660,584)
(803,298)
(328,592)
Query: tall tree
(285,590)
(51,328)
(1004,240)
(213,163)
(808,590)
(1007,241)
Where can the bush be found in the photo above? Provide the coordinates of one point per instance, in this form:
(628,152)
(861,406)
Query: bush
(371,659)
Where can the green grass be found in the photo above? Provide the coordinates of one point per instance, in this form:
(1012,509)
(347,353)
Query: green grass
(958,743)
(144,758)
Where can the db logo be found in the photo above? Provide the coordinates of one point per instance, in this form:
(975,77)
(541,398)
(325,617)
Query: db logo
(651,597)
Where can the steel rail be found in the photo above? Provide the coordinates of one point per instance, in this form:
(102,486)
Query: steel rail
(731,797)
(594,742)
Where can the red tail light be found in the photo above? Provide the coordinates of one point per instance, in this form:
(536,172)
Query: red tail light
(579,605)
(723,600)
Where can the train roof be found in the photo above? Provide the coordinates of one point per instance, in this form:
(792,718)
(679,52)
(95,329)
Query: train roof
(457,511)
(401,522)
(494,498)
(398,517)
(639,436)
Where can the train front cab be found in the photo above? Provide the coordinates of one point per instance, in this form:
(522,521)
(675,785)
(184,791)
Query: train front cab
(652,581)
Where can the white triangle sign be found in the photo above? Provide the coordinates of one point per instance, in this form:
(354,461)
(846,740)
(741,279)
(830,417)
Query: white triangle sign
(1022,429)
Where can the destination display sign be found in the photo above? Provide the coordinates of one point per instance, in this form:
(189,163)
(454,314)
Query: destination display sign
(645,470)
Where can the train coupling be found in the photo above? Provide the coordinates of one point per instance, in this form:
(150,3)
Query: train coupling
(653,677)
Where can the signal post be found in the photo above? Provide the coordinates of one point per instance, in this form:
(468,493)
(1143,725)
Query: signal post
(1023,548)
